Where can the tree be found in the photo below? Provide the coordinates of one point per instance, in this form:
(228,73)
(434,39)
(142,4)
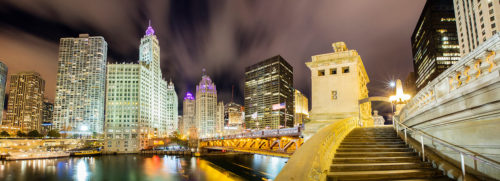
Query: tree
(34,134)
(54,134)
(4,134)
(20,134)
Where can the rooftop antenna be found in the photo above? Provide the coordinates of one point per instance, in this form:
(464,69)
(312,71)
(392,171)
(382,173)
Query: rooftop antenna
(150,22)
(204,72)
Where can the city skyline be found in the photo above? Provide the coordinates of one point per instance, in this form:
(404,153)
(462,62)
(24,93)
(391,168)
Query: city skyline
(177,31)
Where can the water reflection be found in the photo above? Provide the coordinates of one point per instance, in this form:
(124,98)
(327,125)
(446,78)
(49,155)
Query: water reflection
(139,167)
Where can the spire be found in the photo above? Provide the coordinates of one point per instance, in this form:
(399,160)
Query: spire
(204,72)
(150,30)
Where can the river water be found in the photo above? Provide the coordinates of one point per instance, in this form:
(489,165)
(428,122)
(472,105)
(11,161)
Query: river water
(144,167)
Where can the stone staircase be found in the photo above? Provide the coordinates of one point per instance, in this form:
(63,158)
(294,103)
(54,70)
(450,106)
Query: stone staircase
(378,154)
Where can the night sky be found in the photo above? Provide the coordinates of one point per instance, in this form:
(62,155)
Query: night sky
(222,36)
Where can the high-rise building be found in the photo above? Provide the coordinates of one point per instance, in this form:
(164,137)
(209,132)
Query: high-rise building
(434,41)
(81,83)
(206,107)
(301,108)
(219,120)
(269,94)
(409,86)
(25,104)
(338,83)
(3,81)
(180,125)
(140,105)
(476,22)
(172,111)
(189,116)
(47,116)
(234,118)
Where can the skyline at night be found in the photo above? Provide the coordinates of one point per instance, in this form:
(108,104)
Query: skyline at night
(214,35)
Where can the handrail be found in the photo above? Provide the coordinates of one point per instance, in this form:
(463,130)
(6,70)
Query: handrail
(313,159)
(455,148)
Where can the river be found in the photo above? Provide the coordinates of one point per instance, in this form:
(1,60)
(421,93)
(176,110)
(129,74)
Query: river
(144,167)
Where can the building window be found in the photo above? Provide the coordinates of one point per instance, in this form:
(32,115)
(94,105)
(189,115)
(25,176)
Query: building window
(333,71)
(321,72)
(492,18)
(345,69)
(334,95)
(493,25)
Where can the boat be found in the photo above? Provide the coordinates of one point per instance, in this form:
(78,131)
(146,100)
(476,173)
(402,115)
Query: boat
(36,155)
(86,153)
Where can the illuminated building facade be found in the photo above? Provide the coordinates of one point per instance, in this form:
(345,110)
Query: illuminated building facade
(434,41)
(25,104)
(206,107)
(3,81)
(269,83)
(301,108)
(338,83)
(47,116)
(189,116)
(234,118)
(180,125)
(476,22)
(140,105)
(219,120)
(81,81)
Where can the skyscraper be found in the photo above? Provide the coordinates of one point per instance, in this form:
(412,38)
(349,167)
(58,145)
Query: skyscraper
(476,22)
(234,117)
(189,116)
(25,104)
(269,84)
(434,41)
(171,103)
(140,105)
(3,81)
(81,81)
(206,107)
(301,113)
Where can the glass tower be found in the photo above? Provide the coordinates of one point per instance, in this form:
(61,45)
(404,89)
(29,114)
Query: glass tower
(3,81)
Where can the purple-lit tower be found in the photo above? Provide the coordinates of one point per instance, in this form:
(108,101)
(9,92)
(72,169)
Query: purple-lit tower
(189,116)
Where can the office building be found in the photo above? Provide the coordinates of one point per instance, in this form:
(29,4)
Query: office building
(3,81)
(301,114)
(476,21)
(219,120)
(269,94)
(234,118)
(206,107)
(25,104)
(80,88)
(140,105)
(434,41)
(189,116)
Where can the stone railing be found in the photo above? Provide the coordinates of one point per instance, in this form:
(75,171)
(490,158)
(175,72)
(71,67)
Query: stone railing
(313,159)
(474,67)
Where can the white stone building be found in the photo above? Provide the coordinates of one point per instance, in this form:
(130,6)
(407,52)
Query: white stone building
(80,91)
(140,104)
(206,107)
(189,116)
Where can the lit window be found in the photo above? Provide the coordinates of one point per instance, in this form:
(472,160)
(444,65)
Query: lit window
(334,95)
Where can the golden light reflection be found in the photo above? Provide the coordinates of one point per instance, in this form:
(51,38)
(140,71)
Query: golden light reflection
(212,172)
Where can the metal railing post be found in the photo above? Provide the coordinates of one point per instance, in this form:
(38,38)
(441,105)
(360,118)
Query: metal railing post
(463,164)
(405,137)
(423,151)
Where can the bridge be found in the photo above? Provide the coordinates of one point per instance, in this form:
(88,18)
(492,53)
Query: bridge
(451,126)
(276,142)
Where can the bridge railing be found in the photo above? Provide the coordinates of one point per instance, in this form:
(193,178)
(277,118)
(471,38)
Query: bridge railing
(478,68)
(406,131)
(313,159)
(296,131)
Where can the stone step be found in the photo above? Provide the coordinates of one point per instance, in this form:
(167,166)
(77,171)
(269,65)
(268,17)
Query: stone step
(373,154)
(376,137)
(372,140)
(395,149)
(373,146)
(372,135)
(376,159)
(373,143)
(378,166)
(384,175)
(436,178)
